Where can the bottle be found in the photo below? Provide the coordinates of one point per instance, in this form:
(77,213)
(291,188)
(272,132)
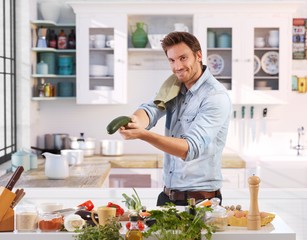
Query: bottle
(47,92)
(134,232)
(41,92)
(71,40)
(53,39)
(62,40)
(191,207)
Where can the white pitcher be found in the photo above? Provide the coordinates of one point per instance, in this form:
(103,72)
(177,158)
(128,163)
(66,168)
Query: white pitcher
(273,39)
(56,167)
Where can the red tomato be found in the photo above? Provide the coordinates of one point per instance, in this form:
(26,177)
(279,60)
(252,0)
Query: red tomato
(141,225)
(128,225)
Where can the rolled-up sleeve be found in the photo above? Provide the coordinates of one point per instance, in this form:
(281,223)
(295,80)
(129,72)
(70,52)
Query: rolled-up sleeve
(153,113)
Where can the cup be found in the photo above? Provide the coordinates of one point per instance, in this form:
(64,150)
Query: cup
(110,43)
(180,27)
(104,215)
(100,41)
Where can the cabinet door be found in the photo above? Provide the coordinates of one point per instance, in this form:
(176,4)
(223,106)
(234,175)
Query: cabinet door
(101,59)
(252,74)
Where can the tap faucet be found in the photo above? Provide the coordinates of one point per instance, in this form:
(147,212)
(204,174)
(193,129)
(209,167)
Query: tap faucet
(299,147)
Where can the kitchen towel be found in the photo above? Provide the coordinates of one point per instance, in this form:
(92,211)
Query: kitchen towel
(169,90)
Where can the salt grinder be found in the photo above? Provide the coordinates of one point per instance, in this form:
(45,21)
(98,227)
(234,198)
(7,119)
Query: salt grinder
(253,217)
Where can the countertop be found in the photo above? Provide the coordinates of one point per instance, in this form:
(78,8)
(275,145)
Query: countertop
(94,170)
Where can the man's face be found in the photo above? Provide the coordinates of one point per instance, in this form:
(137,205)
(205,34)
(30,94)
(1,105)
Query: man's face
(184,63)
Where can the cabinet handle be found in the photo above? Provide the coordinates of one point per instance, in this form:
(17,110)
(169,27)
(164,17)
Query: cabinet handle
(236,60)
(247,60)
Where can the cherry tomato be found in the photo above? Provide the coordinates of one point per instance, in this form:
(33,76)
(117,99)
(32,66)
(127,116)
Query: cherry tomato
(141,225)
(128,225)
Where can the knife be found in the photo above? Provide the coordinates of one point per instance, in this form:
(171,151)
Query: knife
(264,115)
(242,128)
(252,123)
(16,175)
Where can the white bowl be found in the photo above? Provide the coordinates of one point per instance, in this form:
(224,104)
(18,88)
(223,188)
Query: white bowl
(50,10)
(155,40)
(98,70)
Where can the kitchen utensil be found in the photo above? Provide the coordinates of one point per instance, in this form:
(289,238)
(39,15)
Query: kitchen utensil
(56,167)
(21,158)
(155,40)
(88,145)
(50,10)
(73,156)
(111,147)
(252,124)
(16,175)
(43,150)
(60,140)
(264,115)
(242,128)
(69,210)
(270,62)
(20,193)
(257,64)
(180,27)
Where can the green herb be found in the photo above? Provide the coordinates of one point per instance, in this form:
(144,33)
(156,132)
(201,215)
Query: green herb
(174,225)
(133,202)
(110,231)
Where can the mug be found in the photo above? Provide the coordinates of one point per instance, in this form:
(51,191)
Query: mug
(110,43)
(104,215)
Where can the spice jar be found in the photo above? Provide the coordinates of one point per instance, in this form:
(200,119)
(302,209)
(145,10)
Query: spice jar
(218,217)
(26,218)
(50,222)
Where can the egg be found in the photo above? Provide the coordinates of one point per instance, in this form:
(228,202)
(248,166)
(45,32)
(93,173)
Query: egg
(73,222)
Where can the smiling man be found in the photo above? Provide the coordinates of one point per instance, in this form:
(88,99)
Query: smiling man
(197,121)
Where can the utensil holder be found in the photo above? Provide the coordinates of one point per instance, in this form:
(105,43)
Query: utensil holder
(6,212)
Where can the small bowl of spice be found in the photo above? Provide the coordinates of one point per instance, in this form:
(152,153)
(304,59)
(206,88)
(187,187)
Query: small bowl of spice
(50,222)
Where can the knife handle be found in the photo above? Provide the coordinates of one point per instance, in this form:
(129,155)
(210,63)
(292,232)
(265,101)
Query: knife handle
(243,111)
(252,112)
(16,175)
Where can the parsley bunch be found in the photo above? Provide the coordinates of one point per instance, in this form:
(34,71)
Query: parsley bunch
(174,225)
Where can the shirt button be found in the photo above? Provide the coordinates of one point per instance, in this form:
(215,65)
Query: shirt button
(170,172)
(179,120)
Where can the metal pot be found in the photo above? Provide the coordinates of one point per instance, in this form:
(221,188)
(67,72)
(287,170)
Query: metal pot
(111,147)
(88,145)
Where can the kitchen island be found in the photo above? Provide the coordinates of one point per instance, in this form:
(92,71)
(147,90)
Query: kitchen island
(269,200)
(94,171)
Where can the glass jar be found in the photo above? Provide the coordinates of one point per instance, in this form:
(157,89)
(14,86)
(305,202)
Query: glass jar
(26,218)
(218,217)
(50,222)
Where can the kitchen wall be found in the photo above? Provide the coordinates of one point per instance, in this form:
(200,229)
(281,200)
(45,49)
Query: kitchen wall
(38,118)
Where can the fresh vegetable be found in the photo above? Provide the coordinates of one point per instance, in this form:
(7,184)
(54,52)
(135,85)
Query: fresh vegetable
(171,224)
(88,204)
(133,202)
(116,123)
(119,210)
(141,225)
(110,231)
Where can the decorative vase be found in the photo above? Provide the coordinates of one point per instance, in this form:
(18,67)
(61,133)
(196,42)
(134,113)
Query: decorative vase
(273,39)
(139,35)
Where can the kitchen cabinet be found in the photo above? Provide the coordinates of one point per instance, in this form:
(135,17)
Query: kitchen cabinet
(241,55)
(101,69)
(51,57)
(233,178)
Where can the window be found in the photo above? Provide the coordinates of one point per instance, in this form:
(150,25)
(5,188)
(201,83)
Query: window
(7,80)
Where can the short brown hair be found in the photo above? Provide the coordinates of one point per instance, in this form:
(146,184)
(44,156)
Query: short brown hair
(174,38)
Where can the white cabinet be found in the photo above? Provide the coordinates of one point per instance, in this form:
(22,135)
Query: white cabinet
(101,69)
(59,70)
(254,74)
(233,178)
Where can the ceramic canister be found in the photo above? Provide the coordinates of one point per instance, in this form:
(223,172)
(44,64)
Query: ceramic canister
(211,39)
(65,65)
(21,158)
(50,59)
(65,89)
(42,68)
(224,41)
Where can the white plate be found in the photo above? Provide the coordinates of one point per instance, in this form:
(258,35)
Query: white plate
(270,62)
(257,64)
(215,63)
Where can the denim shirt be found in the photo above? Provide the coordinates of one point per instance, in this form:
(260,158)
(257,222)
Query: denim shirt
(201,116)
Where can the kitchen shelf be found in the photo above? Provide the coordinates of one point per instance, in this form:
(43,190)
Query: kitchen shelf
(52,98)
(36,49)
(52,76)
(51,24)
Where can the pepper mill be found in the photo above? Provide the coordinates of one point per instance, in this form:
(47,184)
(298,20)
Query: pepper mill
(253,217)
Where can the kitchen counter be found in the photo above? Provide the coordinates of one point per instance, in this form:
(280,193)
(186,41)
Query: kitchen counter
(278,229)
(94,171)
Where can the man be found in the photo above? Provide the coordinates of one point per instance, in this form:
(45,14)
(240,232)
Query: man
(197,120)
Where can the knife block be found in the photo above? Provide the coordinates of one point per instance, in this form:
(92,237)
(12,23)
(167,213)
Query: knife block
(6,212)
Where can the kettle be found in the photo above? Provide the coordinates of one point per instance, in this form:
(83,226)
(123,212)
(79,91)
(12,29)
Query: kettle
(56,167)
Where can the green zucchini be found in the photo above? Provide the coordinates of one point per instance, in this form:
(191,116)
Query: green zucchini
(116,123)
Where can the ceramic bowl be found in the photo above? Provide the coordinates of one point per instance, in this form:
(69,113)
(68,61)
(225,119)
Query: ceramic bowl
(50,10)
(155,40)
(98,70)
